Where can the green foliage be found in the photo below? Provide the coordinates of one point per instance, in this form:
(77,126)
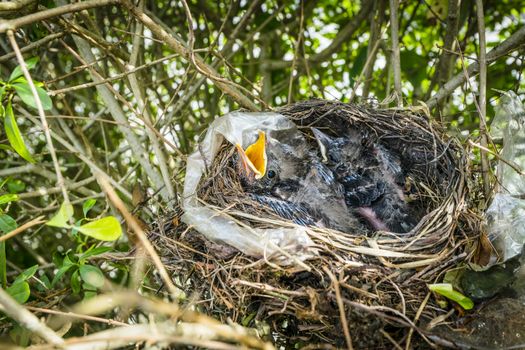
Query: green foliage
(17,84)
(83,276)
(446,290)
(104,229)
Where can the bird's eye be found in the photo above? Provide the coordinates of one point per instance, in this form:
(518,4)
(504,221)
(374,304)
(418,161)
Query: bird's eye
(271,174)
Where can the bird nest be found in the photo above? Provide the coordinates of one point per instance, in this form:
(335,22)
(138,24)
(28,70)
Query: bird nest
(367,288)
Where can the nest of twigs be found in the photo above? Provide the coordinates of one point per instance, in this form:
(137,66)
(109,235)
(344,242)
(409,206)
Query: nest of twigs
(366,288)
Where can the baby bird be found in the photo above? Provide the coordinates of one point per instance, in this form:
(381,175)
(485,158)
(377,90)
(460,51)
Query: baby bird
(372,179)
(282,172)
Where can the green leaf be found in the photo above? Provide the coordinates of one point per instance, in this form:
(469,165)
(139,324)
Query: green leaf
(6,198)
(88,205)
(92,275)
(2,91)
(25,275)
(14,136)
(45,285)
(62,217)
(24,92)
(7,223)
(94,251)
(17,72)
(61,271)
(15,186)
(19,291)
(105,229)
(75,282)
(446,290)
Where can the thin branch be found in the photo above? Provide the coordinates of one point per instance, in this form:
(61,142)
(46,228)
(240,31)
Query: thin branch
(93,167)
(342,37)
(42,115)
(445,65)
(108,94)
(78,316)
(32,46)
(39,220)
(6,25)
(485,168)
(341,307)
(515,41)
(110,79)
(140,234)
(396,61)
(27,319)
(138,94)
(228,87)
(296,52)
(373,45)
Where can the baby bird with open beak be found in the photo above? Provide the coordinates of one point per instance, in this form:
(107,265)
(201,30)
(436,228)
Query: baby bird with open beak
(372,179)
(281,171)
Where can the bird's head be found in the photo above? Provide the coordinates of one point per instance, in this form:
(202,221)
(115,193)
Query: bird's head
(272,166)
(252,164)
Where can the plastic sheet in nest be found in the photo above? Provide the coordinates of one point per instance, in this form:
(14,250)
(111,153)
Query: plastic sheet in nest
(362,281)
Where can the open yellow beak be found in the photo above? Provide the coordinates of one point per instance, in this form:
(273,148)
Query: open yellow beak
(254,157)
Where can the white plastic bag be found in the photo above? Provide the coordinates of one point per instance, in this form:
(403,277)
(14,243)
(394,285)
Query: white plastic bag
(506,213)
(281,245)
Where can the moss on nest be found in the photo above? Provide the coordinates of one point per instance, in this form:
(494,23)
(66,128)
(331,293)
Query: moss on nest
(377,281)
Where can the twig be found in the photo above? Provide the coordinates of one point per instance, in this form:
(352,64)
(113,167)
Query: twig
(40,108)
(510,44)
(373,45)
(39,220)
(341,307)
(396,62)
(92,165)
(13,24)
(344,34)
(444,67)
(416,318)
(75,315)
(510,163)
(140,234)
(296,53)
(27,319)
(107,93)
(483,97)
(226,86)
(137,92)
(110,79)
(32,46)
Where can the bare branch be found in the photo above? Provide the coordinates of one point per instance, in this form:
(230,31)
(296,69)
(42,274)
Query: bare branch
(445,65)
(14,24)
(485,168)
(175,44)
(342,37)
(40,108)
(373,45)
(32,46)
(140,234)
(396,62)
(516,40)
(27,319)
(37,221)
